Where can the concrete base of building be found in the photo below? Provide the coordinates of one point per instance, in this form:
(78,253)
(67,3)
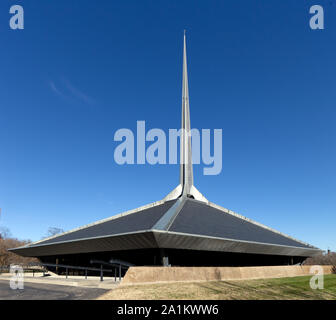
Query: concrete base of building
(145,275)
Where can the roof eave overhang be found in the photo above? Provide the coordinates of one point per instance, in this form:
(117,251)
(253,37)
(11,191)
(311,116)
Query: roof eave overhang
(169,239)
(147,239)
(126,241)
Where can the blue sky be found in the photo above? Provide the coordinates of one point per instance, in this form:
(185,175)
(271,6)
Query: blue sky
(80,70)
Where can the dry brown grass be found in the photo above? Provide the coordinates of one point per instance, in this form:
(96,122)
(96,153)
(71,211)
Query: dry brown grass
(283,288)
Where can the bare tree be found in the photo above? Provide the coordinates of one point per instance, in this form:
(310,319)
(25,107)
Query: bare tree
(328,258)
(52,231)
(8,257)
(4,233)
(8,242)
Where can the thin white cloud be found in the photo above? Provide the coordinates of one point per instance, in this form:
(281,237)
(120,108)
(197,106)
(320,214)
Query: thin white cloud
(55,90)
(77,93)
(69,92)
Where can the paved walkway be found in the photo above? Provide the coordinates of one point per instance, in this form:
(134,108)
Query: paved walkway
(74,281)
(43,291)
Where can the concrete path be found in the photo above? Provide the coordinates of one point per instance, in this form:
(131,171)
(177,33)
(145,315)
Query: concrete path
(74,281)
(42,291)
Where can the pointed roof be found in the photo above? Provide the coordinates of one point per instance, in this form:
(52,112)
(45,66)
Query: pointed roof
(181,224)
(184,219)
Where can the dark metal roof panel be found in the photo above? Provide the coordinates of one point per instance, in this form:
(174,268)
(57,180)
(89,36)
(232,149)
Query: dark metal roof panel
(202,219)
(142,220)
(129,241)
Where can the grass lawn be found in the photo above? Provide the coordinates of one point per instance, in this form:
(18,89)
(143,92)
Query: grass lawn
(280,288)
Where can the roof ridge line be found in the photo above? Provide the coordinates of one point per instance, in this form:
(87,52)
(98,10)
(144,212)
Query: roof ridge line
(178,210)
(165,221)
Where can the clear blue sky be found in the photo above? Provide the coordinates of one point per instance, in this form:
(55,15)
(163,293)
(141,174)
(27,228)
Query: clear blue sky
(80,70)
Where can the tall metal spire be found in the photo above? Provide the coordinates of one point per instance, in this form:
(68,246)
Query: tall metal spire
(186,168)
(186,187)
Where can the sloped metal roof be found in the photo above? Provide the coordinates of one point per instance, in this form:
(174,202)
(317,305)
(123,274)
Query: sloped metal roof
(198,218)
(137,221)
(183,223)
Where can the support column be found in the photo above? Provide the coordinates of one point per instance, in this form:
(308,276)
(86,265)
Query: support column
(164,258)
(101,272)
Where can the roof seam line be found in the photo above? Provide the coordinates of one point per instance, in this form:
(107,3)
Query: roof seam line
(178,210)
(164,221)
